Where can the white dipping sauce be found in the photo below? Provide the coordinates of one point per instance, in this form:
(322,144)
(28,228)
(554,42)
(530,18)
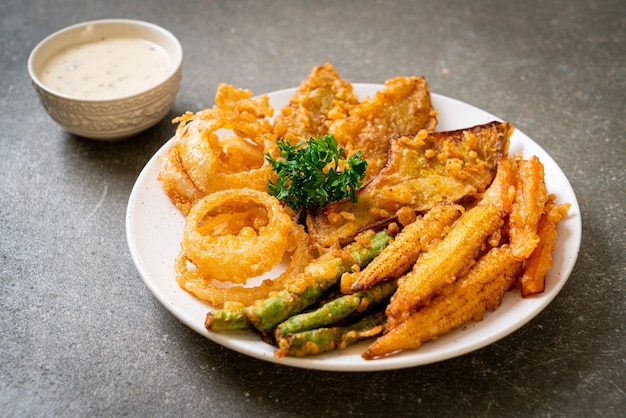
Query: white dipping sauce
(106,69)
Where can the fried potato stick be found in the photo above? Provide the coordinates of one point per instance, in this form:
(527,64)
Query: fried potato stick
(400,255)
(528,205)
(536,267)
(453,255)
(468,298)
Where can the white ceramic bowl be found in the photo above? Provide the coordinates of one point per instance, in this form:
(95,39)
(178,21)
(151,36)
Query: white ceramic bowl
(110,118)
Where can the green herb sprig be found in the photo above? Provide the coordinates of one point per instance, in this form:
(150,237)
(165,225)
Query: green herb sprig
(315,173)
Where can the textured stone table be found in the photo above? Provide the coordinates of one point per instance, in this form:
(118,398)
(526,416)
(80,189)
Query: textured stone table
(81,335)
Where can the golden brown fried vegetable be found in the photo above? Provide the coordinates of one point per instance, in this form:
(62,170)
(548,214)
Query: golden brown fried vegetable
(233,236)
(321,98)
(444,263)
(204,159)
(536,267)
(324,103)
(481,289)
(402,107)
(452,256)
(423,171)
(218,294)
(528,206)
(402,253)
(464,258)
(320,340)
(318,276)
(502,191)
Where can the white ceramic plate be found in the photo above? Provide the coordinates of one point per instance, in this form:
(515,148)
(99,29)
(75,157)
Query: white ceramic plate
(154,229)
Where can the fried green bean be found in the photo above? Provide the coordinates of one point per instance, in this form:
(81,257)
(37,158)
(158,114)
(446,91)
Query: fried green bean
(321,340)
(335,310)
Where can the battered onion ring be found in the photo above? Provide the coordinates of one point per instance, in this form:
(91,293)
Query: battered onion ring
(217,294)
(254,177)
(206,160)
(202,160)
(236,256)
(197,151)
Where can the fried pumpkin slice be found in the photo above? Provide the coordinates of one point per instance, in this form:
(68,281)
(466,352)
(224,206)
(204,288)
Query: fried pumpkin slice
(422,171)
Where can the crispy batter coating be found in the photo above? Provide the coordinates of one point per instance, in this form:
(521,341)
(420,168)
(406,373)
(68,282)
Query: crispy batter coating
(324,103)
(402,253)
(423,171)
(502,190)
(536,267)
(402,107)
(442,265)
(201,162)
(206,288)
(481,289)
(528,206)
(319,100)
(452,256)
(474,219)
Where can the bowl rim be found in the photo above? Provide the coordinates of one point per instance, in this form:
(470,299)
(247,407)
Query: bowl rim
(176,67)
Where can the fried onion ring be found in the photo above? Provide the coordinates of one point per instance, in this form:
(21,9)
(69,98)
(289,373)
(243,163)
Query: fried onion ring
(216,293)
(233,252)
(220,148)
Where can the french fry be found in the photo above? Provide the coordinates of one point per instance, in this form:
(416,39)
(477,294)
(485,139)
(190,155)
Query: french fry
(528,205)
(536,267)
(468,298)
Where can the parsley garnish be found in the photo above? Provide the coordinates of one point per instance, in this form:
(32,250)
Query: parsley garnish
(315,173)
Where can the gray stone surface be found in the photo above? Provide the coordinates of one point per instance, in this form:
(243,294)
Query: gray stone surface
(80,334)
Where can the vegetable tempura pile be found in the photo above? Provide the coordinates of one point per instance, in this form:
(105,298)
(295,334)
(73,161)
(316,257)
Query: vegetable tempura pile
(390,231)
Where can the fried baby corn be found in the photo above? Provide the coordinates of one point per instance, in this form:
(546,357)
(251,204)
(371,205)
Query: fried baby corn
(480,290)
(400,255)
(441,266)
(453,255)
